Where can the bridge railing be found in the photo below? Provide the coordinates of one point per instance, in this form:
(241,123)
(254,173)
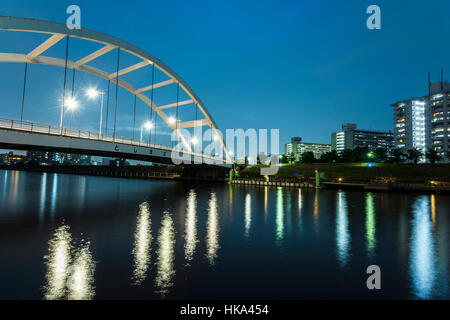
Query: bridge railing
(67,132)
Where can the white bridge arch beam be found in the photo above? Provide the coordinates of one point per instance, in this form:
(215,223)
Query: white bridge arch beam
(57,30)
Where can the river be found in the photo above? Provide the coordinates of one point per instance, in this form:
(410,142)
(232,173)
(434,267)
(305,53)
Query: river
(83,237)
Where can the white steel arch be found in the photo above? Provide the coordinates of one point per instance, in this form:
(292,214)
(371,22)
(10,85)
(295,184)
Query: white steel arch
(58,31)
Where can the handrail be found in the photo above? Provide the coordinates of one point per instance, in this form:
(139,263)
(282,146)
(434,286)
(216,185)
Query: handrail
(87,135)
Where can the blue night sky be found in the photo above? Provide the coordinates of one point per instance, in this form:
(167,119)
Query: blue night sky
(304,67)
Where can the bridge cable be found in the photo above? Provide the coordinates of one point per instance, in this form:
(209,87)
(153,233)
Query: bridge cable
(23,93)
(151,108)
(134,115)
(117,90)
(107,108)
(156,115)
(73,85)
(176,113)
(64,90)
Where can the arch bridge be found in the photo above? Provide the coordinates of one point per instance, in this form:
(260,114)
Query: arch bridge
(26,135)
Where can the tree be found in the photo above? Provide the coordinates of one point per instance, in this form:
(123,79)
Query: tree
(381,154)
(308,157)
(347,155)
(448,155)
(432,156)
(414,155)
(283,159)
(331,156)
(360,154)
(397,155)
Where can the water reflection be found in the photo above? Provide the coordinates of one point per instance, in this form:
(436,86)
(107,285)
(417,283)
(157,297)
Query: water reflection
(190,226)
(165,264)
(5,184)
(142,242)
(433,209)
(300,201)
(15,192)
(212,236)
(43,196)
(370,224)
(248,213)
(54,195)
(265,202)
(80,283)
(70,271)
(342,233)
(230,204)
(280,215)
(58,261)
(422,260)
(316,210)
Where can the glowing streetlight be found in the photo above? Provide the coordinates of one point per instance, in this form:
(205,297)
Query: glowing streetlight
(92,93)
(71,103)
(148,125)
(172,120)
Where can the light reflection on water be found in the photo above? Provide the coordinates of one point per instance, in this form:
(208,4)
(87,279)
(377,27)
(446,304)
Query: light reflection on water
(406,234)
(248,214)
(165,263)
(342,233)
(422,258)
(190,226)
(70,270)
(212,235)
(370,224)
(142,242)
(280,215)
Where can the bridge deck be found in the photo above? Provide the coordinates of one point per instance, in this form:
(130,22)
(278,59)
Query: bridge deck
(33,136)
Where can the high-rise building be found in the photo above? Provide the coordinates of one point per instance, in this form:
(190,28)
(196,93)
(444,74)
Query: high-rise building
(438,115)
(410,125)
(297,147)
(424,123)
(350,138)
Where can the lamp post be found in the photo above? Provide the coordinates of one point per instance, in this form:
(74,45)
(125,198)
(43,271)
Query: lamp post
(71,104)
(147,125)
(92,94)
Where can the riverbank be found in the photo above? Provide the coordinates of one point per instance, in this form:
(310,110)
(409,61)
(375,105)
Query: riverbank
(400,187)
(193,172)
(422,178)
(409,173)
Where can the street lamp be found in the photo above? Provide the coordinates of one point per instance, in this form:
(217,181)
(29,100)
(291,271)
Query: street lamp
(92,93)
(72,103)
(148,126)
(172,120)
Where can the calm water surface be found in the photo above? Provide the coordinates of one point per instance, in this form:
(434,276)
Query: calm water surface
(75,237)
